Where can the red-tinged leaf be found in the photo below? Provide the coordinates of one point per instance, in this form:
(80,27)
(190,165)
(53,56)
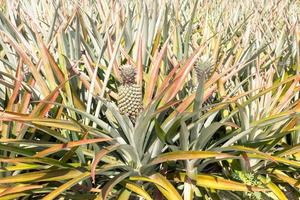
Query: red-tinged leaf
(167,81)
(246,161)
(26,97)
(37,76)
(13,98)
(54,123)
(59,147)
(129,59)
(184,105)
(24,103)
(18,188)
(56,70)
(188,155)
(85,81)
(47,107)
(18,81)
(115,64)
(181,108)
(75,181)
(99,156)
(166,106)
(285,99)
(41,109)
(9,116)
(42,175)
(153,73)
(182,75)
(140,63)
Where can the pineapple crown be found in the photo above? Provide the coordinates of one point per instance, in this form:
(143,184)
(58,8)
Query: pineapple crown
(204,68)
(127,74)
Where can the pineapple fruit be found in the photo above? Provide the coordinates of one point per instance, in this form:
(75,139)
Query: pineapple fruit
(203,69)
(206,70)
(130,94)
(200,70)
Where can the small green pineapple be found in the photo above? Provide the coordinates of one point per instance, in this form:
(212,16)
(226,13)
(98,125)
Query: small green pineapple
(249,179)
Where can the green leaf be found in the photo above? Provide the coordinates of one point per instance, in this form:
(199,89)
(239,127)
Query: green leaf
(159,131)
(162,184)
(76,180)
(42,176)
(206,135)
(18,188)
(219,183)
(137,189)
(273,187)
(107,188)
(188,155)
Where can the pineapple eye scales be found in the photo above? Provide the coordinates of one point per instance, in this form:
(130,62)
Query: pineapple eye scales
(130,100)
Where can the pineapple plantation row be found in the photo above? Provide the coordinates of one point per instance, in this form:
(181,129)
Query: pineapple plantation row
(168,99)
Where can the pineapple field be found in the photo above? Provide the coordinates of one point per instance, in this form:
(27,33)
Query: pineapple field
(150,100)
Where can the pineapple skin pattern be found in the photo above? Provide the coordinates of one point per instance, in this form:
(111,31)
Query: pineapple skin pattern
(130,100)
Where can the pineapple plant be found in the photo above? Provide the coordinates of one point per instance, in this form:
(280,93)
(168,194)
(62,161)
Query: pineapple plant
(130,94)
(79,125)
(202,72)
(203,69)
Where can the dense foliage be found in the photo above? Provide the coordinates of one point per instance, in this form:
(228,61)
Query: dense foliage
(218,82)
